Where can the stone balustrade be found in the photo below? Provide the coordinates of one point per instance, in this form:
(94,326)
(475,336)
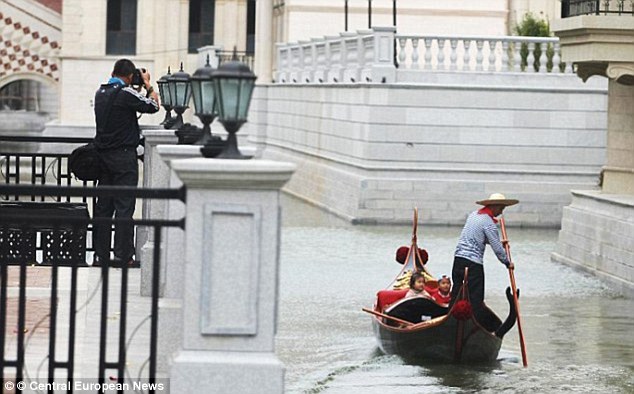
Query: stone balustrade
(379,54)
(480,53)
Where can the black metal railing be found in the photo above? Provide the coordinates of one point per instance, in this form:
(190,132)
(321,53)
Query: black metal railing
(571,8)
(18,222)
(38,160)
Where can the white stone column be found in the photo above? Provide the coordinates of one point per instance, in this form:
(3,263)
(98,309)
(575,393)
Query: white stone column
(618,173)
(231,269)
(264,44)
(155,175)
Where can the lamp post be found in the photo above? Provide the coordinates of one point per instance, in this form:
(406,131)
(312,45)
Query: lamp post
(233,85)
(205,106)
(180,92)
(166,99)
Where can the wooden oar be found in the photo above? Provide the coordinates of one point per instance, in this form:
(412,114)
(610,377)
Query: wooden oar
(507,247)
(375,313)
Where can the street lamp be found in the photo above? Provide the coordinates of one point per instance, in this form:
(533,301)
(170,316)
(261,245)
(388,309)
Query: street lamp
(205,106)
(233,84)
(180,92)
(166,99)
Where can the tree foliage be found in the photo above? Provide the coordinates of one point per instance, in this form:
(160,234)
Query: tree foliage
(531,26)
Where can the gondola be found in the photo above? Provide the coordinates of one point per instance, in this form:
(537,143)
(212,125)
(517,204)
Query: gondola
(419,329)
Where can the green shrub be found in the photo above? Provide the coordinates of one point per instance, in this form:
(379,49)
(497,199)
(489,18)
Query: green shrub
(530,26)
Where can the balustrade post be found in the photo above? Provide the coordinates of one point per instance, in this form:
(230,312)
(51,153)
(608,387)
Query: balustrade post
(428,43)
(517,56)
(402,55)
(280,73)
(543,59)
(350,51)
(556,58)
(321,59)
(231,265)
(415,55)
(335,56)
(492,56)
(530,59)
(479,55)
(308,62)
(383,69)
(466,57)
(505,56)
(441,54)
(453,56)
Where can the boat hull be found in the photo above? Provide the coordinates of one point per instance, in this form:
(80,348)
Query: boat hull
(442,339)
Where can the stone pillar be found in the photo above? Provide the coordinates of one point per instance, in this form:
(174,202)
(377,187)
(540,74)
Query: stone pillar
(172,262)
(264,40)
(596,228)
(618,173)
(155,175)
(231,269)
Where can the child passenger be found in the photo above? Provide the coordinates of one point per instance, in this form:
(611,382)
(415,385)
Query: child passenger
(417,286)
(443,295)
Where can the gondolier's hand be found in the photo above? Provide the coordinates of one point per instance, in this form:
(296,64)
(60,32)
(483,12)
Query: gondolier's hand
(511,266)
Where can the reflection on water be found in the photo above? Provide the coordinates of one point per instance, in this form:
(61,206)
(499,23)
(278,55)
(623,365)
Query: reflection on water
(578,332)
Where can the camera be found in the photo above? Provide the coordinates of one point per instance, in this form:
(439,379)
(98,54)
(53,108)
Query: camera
(137,79)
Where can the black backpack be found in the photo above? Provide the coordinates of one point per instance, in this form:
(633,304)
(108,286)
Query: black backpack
(84,162)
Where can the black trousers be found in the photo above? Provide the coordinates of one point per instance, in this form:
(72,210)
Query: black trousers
(475,281)
(120,168)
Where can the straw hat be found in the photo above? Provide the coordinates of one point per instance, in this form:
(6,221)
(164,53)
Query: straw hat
(498,199)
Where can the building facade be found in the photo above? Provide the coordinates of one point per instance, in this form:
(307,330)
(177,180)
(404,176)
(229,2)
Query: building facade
(75,42)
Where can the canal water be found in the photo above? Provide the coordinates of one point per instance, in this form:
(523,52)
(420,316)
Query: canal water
(579,333)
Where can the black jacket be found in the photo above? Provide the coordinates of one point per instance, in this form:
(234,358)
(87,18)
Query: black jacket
(122,128)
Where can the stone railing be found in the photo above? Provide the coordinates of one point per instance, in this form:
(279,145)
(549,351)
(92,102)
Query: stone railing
(480,53)
(367,55)
(375,55)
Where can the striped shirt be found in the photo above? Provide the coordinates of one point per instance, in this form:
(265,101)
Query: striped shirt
(479,230)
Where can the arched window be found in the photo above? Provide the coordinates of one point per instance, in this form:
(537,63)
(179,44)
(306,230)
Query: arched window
(20,95)
(121,27)
(201,23)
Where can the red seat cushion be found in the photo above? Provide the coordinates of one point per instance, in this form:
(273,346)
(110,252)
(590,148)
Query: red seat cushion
(384,298)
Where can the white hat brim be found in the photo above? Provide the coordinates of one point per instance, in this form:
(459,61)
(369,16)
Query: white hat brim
(506,202)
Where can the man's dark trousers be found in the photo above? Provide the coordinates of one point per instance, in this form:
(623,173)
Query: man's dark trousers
(475,282)
(120,168)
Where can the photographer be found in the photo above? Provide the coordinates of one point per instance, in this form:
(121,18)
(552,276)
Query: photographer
(116,105)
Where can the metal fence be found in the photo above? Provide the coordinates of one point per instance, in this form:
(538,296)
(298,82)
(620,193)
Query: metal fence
(44,220)
(571,8)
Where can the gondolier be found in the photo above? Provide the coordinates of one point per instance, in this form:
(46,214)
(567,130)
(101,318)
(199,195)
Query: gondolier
(480,229)
(421,329)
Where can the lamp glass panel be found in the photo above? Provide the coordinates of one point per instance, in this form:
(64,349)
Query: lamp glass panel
(183,93)
(172,92)
(166,98)
(208,97)
(229,91)
(196,95)
(245,97)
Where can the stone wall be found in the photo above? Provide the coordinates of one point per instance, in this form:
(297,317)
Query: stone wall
(596,237)
(371,152)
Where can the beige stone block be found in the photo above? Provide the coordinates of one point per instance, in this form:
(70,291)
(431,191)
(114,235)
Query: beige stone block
(618,182)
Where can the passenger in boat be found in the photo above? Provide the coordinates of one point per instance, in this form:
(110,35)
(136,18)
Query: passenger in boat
(417,286)
(443,294)
(480,229)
